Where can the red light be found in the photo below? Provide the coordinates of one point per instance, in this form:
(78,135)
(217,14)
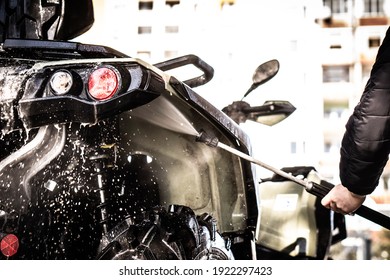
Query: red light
(103,83)
(9,245)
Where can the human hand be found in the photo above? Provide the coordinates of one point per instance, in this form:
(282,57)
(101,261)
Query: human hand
(341,200)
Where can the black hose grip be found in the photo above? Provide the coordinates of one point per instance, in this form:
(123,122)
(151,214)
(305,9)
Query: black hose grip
(320,190)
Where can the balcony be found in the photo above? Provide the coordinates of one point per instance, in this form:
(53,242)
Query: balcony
(373,21)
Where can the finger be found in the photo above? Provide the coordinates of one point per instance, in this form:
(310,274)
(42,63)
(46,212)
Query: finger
(325,201)
(335,208)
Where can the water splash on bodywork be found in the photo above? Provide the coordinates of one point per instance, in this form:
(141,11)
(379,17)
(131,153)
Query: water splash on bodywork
(11,81)
(17,169)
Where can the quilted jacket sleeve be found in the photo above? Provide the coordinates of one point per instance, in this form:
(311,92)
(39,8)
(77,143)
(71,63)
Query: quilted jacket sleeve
(366,143)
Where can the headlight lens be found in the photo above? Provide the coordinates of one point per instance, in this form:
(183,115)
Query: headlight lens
(103,83)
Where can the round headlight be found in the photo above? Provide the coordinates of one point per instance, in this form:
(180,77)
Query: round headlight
(61,82)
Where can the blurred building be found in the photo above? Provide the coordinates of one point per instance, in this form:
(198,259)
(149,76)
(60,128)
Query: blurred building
(352,32)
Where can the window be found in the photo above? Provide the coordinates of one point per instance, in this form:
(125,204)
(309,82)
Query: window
(331,148)
(337,6)
(172,29)
(327,147)
(170,54)
(172,3)
(335,74)
(144,29)
(145,5)
(335,113)
(294,45)
(366,71)
(227,3)
(373,7)
(293,147)
(298,147)
(374,42)
(335,46)
(146,55)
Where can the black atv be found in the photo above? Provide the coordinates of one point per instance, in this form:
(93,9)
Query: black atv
(99,157)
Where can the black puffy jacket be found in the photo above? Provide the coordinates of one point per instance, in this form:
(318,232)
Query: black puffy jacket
(366,142)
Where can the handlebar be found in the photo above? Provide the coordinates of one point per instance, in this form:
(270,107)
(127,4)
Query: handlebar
(208,71)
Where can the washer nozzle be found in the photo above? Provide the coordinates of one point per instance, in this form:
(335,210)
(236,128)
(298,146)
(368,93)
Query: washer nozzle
(208,140)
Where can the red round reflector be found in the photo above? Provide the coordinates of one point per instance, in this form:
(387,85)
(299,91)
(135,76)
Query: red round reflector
(103,83)
(9,245)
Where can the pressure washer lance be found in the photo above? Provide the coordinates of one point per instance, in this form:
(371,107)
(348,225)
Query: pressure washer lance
(319,190)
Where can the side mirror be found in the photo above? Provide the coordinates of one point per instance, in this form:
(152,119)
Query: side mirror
(270,113)
(262,74)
